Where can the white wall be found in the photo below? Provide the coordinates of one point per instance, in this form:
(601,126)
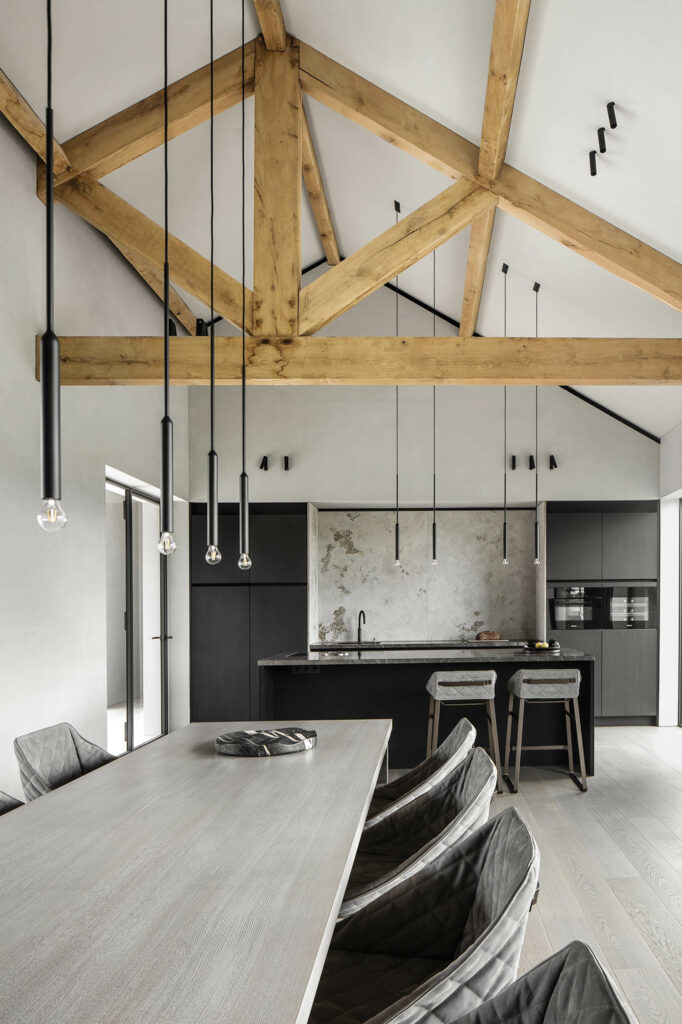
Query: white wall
(52,587)
(341,439)
(671,461)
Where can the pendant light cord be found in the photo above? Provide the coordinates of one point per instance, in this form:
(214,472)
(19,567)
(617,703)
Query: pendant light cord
(49,162)
(243,247)
(397,401)
(505,402)
(212,325)
(166,273)
(537,292)
(434,390)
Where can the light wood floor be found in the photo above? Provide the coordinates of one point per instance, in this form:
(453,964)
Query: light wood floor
(611,864)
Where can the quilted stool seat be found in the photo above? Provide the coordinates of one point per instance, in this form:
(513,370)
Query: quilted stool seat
(442,941)
(8,803)
(404,843)
(570,987)
(51,757)
(544,686)
(413,783)
(470,688)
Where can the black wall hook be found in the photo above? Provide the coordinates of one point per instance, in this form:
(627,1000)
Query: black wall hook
(513,462)
(553,464)
(593,162)
(264,463)
(611,110)
(601,135)
(285,463)
(531,462)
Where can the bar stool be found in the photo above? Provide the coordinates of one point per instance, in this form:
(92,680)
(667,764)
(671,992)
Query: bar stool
(466,689)
(544,686)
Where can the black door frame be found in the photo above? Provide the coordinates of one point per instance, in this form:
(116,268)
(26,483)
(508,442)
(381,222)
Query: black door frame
(128,494)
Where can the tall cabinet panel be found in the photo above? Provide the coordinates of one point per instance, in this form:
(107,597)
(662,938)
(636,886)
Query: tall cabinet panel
(588,640)
(278,624)
(219,651)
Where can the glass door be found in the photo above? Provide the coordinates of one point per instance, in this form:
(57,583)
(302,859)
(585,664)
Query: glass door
(137,635)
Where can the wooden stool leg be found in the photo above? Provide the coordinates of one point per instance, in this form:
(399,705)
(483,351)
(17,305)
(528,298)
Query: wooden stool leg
(569,738)
(519,744)
(436,724)
(581,752)
(507,742)
(429,728)
(494,742)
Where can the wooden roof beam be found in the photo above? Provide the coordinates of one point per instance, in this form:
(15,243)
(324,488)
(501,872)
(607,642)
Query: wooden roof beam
(519,194)
(122,223)
(375,361)
(271,23)
(398,248)
(312,178)
(153,277)
(506,49)
(139,128)
(24,118)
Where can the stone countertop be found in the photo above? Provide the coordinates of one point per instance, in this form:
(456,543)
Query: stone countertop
(416,645)
(437,656)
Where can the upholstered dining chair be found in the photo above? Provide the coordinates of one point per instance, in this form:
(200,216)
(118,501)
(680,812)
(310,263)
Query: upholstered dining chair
(414,783)
(404,843)
(8,803)
(570,987)
(442,941)
(51,757)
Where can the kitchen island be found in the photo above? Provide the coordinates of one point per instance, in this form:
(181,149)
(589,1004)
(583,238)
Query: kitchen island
(390,683)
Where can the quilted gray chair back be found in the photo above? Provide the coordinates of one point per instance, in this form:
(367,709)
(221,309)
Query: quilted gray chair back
(422,829)
(430,772)
(469,909)
(8,803)
(569,986)
(51,757)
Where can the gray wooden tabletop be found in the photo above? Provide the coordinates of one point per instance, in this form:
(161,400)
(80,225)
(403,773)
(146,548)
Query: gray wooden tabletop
(177,886)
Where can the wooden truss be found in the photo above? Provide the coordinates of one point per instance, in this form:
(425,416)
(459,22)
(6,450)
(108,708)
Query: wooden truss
(280,314)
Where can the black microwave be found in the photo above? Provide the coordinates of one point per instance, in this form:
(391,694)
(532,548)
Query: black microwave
(575,607)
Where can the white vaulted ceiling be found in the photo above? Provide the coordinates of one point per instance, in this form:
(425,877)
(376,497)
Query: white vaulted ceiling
(433,54)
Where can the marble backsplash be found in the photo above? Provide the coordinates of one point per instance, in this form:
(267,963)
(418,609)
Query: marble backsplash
(467,591)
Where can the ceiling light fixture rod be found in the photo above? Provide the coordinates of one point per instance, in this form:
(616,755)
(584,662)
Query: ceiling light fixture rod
(51,516)
(213,555)
(166,539)
(505,552)
(244,561)
(536,558)
(434,528)
(396,207)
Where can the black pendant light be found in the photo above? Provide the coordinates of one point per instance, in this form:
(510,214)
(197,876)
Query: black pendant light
(396,207)
(244,561)
(434,528)
(166,539)
(505,552)
(51,516)
(536,555)
(213,555)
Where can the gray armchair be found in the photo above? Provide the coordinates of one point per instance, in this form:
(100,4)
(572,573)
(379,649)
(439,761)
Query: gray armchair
(570,987)
(402,844)
(51,757)
(8,803)
(419,780)
(439,943)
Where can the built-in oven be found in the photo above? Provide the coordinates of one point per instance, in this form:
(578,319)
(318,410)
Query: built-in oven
(630,606)
(575,607)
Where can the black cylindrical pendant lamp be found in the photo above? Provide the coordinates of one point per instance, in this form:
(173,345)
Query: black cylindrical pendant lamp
(505,550)
(166,543)
(51,516)
(244,561)
(213,555)
(536,554)
(244,557)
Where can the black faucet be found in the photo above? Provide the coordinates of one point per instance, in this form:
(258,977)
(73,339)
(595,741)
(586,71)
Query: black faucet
(361,619)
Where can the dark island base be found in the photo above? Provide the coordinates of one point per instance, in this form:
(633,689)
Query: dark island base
(397,691)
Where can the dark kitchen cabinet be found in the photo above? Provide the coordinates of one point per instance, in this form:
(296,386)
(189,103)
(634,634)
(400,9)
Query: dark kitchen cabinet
(629,673)
(219,652)
(630,546)
(589,641)
(574,546)
(278,624)
(279,545)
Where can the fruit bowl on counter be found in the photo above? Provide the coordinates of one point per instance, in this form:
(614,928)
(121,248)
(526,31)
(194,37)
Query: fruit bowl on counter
(543,646)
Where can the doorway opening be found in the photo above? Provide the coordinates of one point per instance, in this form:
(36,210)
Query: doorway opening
(137,620)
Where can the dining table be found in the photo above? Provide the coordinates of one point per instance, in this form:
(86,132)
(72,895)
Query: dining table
(176,885)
